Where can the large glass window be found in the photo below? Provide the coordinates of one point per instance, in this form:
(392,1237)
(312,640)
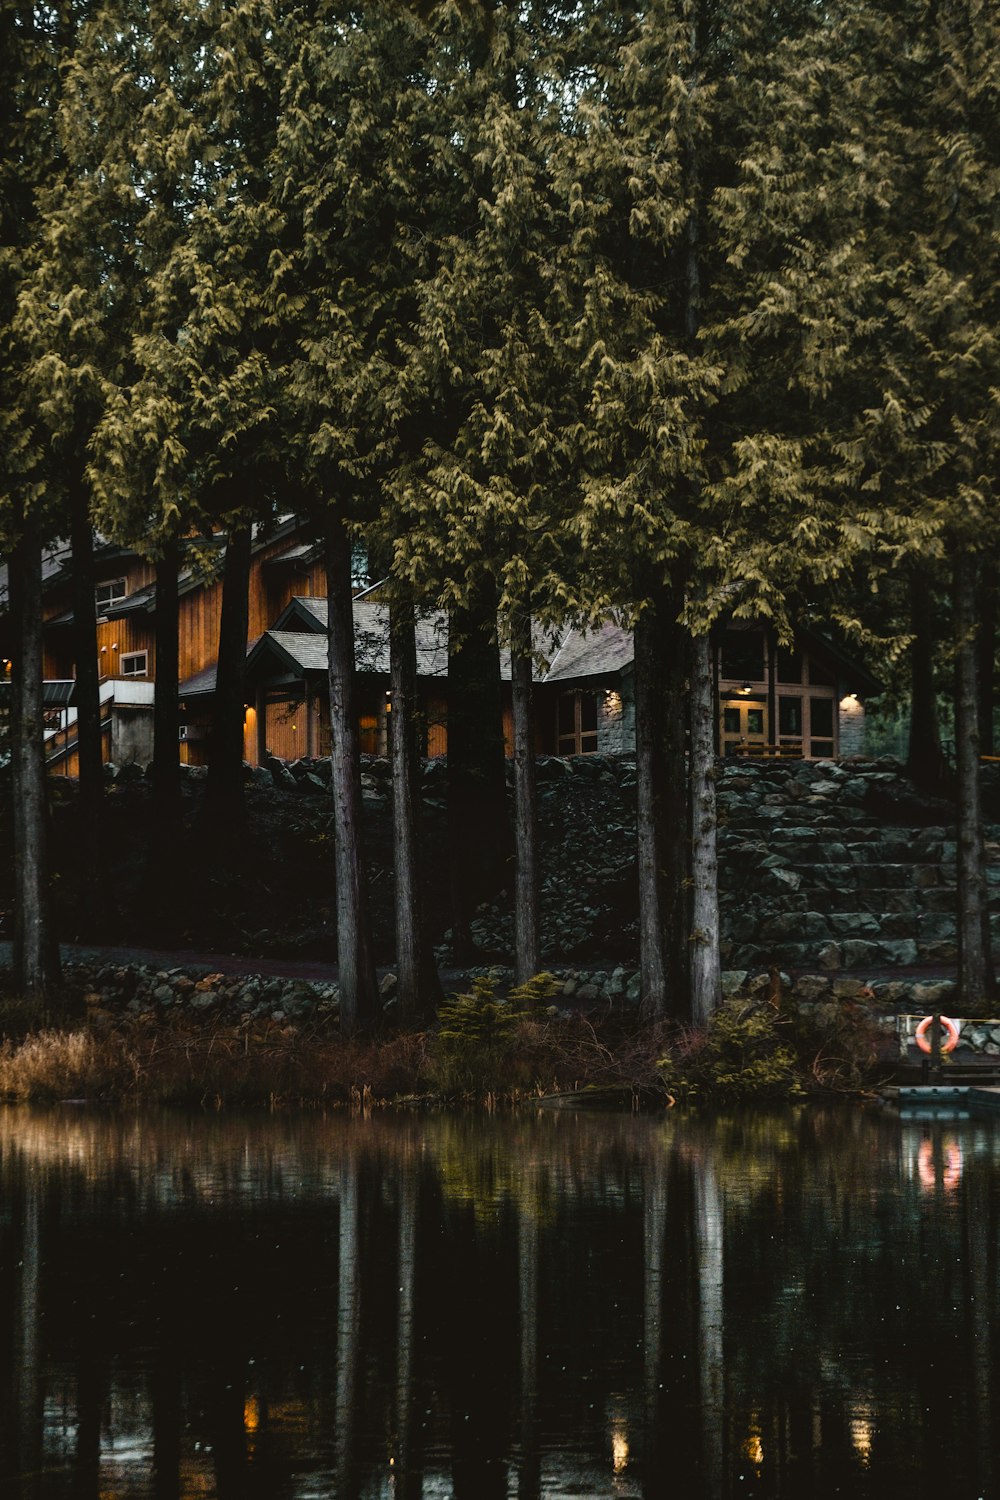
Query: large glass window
(790,716)
(789,664)
(742,656)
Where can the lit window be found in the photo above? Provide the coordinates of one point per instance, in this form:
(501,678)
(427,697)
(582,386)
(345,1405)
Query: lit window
(135,664)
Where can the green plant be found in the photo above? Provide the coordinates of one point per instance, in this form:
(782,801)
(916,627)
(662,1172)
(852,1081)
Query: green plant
(475,1042)
(740,1056)
(536,991)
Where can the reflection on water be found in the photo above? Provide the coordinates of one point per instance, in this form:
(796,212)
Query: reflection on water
(793,1305)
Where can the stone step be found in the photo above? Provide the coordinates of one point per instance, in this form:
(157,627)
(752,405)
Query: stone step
(833,955)
(878,901)
(818,926)
(794,846)
(774,875)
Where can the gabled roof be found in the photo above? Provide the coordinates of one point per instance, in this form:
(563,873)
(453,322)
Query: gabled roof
(202,684)
(296,647)
(855,676)
(303,613)
(595,653)
(304,651)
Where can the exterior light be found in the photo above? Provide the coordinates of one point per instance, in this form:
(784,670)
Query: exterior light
(619,1452)
(746,687)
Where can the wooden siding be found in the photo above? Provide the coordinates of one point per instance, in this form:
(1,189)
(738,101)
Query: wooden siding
(126,635)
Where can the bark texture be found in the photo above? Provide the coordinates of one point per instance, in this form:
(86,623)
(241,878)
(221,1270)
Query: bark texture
(924,760)
(36,955)
(976,982)
(166,758)
(478,831)
(706,969)
(225,771)
(527,953)
(87,691)
(358,992)
(675,810)
(416,972)
(986,656)
(649,781)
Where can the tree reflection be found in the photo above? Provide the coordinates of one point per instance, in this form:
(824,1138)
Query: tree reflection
(799,1304)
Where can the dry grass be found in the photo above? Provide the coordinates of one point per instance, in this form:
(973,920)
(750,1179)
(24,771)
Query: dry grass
(63,1065)
(186,1061)
(208,1065)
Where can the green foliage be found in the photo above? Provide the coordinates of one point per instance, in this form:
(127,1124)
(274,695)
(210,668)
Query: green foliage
(536,991)
(742,1056)
(475,1043)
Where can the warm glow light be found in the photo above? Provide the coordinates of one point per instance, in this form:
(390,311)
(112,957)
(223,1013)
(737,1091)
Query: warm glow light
(948,1160)
(861,1438)
(251,1414)
(619,1451)
(754,1449)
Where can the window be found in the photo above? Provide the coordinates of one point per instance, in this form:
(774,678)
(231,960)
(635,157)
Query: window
(821,728)
(742,656)
(135,664)
(790,716)
(577,723)
(789,665)
(109,594)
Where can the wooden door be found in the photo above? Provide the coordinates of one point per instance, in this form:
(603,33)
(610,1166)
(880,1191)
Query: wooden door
(742,727)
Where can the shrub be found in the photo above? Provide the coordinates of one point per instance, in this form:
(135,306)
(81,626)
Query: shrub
(740,1056)
(475,1045)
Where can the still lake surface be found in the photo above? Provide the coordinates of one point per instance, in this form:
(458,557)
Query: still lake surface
(797,1304)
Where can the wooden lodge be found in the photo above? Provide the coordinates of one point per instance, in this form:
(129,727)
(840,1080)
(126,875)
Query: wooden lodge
(804,702)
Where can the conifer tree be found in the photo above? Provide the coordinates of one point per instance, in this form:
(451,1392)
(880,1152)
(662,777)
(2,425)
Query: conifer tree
(490,364)
(671,113)
(351,165)
(31,47)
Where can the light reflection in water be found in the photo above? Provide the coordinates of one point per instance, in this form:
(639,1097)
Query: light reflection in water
(276,1309)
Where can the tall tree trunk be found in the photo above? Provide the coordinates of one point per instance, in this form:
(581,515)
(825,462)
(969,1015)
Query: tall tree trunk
(706,975)
(675,812)
(17,826)
(710,1226)
(37,973)
(976,982)
(649,781)
(527,955)
(924,761)
(478,832)
(419,987)
(349,1294)
(94,887)
(87,692)
(166,759)
(358,990)
(408,1479)
(224,793)
(986,656)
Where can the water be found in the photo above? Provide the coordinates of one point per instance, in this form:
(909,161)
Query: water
(801,1304)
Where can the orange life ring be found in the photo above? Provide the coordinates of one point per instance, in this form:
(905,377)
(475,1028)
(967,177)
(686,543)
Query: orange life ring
(948,1044)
